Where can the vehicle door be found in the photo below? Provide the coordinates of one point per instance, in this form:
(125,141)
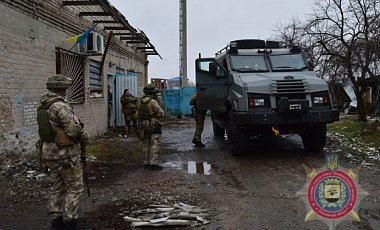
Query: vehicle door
(211,84)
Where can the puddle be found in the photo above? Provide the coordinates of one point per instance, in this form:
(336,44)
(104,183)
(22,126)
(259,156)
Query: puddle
(202,168)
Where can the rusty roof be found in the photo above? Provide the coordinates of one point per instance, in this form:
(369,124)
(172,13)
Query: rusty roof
(102,12)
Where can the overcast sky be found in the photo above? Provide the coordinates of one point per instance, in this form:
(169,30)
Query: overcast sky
(211,24)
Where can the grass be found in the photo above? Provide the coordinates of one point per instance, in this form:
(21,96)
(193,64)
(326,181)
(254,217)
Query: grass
(353,130)
(104,148)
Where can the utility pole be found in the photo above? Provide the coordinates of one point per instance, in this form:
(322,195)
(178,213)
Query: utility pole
(183,42)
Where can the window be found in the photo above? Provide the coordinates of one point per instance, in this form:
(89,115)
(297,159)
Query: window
(288,62)
(95,79)
(248,64)
(211,67)
(71,65)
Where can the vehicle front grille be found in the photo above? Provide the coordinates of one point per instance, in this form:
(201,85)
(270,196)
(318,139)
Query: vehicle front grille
(290,86)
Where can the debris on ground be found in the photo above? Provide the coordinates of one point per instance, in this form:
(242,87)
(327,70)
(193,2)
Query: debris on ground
(34,174)
(180,214)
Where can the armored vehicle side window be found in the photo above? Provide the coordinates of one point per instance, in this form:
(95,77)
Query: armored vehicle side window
(249,63)
(211,67)
(288,62)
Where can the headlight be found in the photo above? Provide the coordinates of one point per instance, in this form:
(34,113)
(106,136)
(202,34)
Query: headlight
(318,100)
(321,98)
(258,100)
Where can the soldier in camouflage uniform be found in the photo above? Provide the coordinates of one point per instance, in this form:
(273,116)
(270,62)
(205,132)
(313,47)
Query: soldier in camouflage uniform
(158,97)
(129,104)
(62,160)
(200,116)
(149,112)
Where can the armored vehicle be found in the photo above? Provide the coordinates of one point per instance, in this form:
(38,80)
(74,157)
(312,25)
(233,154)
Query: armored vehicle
(258,88)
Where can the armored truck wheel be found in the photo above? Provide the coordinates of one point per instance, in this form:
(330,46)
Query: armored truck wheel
(314,138)
(235,136)
(218,131)
(237,141)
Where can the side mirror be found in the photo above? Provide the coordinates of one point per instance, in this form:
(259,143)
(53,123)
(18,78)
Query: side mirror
(212,68)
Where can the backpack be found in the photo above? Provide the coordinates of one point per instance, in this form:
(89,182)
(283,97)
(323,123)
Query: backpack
(132,102)
(144,112)
(45,130)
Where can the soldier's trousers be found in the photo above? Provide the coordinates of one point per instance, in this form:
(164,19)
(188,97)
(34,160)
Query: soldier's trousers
(66,188)
(151,147)
(128,118)
(200,116)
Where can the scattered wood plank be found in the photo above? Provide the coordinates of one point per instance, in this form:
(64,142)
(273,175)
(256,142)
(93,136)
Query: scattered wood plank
(163,215)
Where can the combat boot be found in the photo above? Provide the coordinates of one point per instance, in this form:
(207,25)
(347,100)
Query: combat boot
(71,225)
(155,167)
(57,224)
(126,130)
(198,143)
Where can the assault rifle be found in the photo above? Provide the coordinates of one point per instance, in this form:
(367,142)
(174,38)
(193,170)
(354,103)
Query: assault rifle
(83,160)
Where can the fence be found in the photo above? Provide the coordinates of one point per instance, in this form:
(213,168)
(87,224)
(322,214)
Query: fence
(176,101)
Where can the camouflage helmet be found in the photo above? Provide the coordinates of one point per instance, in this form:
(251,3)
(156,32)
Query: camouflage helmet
(149,89)
(58,82)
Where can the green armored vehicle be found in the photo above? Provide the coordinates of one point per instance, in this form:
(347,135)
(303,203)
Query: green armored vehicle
(258,88)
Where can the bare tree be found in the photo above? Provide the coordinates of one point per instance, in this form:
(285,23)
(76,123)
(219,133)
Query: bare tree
(348,33)
(290,33)
(295,32)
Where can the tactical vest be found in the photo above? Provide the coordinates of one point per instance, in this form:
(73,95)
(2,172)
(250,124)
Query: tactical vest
(132,102)
(45,130)
(144,111)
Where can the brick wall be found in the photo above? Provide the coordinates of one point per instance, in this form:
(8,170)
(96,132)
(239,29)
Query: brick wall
(30,32)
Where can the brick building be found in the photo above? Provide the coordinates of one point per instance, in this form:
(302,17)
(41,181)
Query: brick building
(33,46)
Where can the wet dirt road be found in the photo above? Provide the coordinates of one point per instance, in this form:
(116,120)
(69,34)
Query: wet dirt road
(253,191)
(257,189)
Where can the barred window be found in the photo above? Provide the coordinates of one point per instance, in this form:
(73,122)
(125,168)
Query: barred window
(71,64)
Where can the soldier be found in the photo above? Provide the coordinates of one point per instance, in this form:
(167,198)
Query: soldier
(158,97)
(60,130)
(109,99)
(129,105)
(200,116)
(149,129)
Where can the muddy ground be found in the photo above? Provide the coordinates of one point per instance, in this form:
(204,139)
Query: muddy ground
(253,191)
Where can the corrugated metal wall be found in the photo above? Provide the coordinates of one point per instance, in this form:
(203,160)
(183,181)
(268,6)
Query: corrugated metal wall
(171,102)
(119,82)
(185,96)
(176,101)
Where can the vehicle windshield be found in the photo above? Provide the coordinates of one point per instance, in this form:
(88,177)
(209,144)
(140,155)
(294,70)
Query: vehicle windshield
(288,62)
(248,64)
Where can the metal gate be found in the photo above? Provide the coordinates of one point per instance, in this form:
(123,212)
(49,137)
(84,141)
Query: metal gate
(118,83)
